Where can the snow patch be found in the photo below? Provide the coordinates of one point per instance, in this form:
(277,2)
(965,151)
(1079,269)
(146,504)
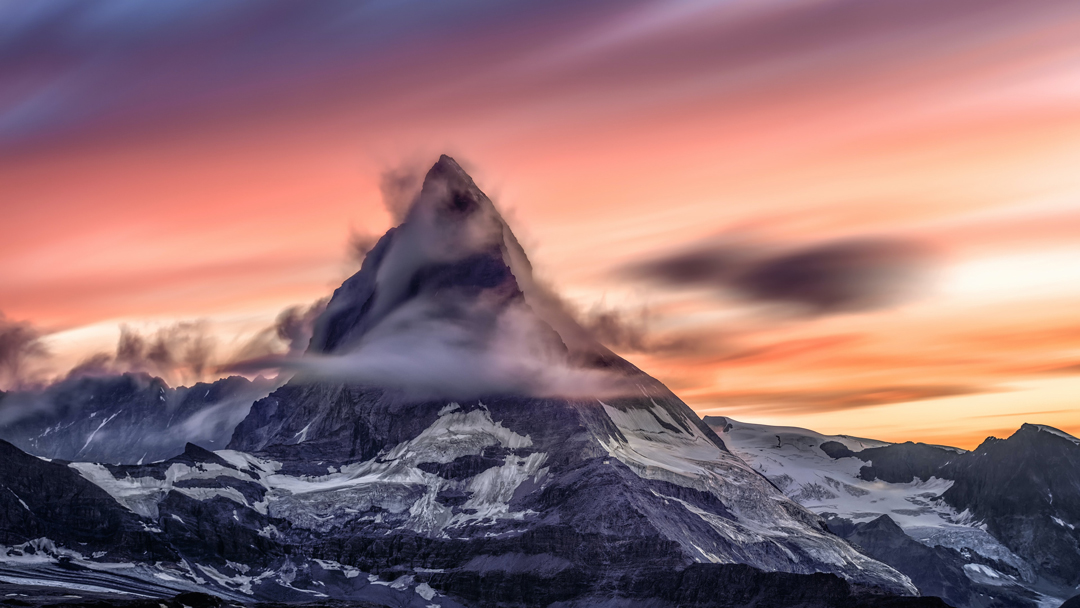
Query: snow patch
(656,444)
(19,499)
(14,579)
(425,591)
(1057,520)
(301,437)
(142,494)
(1057,433)
(793,460)
(95,431)
(348,571)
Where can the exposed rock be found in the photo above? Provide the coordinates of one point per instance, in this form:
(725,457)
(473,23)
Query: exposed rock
(936,571)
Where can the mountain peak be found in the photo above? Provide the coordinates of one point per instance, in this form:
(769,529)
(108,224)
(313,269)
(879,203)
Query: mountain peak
(445,305)
(449,252)
(450,189)
(1043,428)
(447,168)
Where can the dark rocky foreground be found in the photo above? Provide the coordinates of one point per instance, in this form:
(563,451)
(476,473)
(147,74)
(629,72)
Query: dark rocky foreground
(705,586)
(936,570)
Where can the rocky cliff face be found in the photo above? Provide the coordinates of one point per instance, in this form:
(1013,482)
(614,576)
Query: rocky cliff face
(41,499)
(1026,489)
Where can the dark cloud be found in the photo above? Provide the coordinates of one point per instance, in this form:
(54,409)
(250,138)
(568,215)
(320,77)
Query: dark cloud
(619,330)
(630,332)
(295,324)
(20,343)
(72,65)
(181,353)
(183,347)
(360,244)
(178,353)
(829,278)
(289,336)
(399,188)
(94,366)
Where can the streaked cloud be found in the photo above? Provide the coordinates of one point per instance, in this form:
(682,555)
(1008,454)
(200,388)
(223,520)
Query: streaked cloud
(798,401)
(20,343)
(842,276)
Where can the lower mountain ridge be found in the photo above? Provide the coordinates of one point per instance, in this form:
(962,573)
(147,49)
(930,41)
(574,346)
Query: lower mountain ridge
(125,418)
(450,438)
(997,526)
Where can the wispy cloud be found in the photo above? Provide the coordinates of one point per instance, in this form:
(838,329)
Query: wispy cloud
(20,344)
(816,401)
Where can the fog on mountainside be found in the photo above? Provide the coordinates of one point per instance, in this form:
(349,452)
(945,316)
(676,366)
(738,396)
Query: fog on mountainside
(126,419)
(516,337)
(119,407)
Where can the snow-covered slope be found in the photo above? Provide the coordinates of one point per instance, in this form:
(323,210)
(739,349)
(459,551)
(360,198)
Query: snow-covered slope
(792,459)
(480,491)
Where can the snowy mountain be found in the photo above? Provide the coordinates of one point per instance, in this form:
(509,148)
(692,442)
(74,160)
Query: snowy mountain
(995,526)
(125,419)
(450,438)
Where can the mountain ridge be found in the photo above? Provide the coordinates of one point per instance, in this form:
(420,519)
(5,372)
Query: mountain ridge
(987,514)
(126,418)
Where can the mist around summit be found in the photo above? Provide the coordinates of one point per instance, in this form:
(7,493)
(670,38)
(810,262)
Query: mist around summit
(483,328)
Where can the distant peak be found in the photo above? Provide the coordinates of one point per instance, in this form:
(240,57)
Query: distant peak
(448,188)
(1042,428)
(446,162)
(447,168)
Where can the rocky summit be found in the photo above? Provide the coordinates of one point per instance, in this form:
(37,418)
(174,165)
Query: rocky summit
(453,438)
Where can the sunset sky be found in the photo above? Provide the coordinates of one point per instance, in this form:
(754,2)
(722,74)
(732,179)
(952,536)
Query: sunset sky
(206,162)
